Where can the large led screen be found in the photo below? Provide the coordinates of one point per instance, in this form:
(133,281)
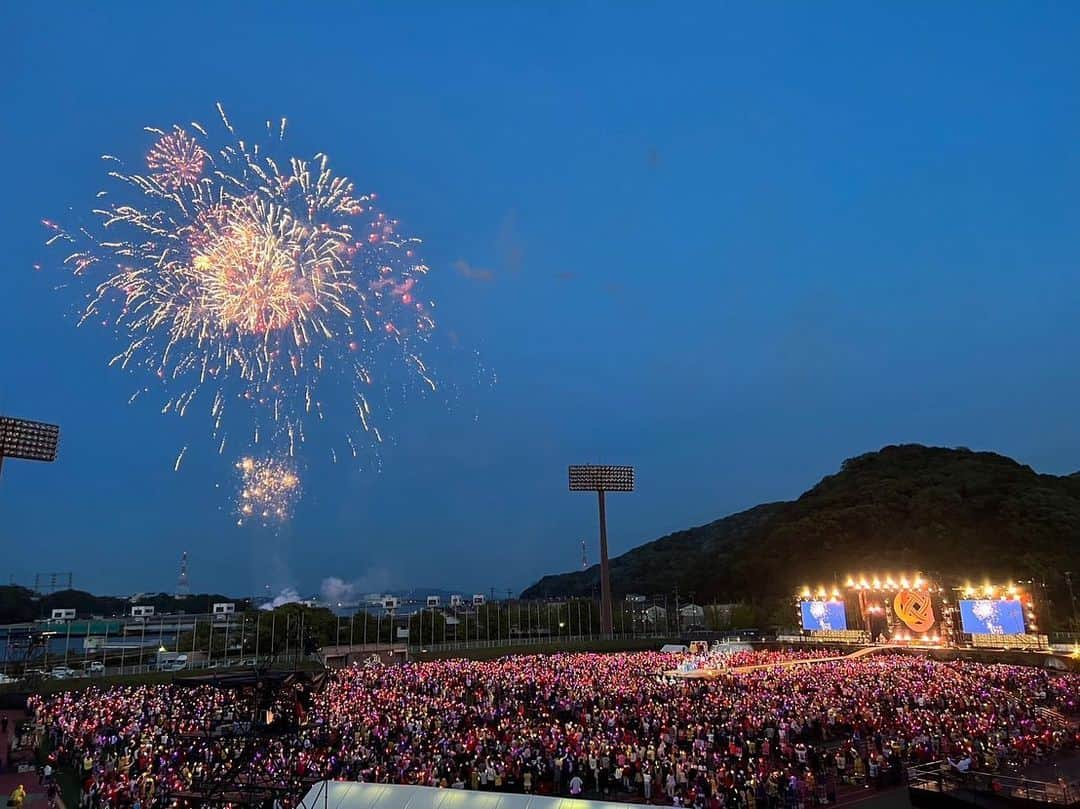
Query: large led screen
(823,615)
(991,616)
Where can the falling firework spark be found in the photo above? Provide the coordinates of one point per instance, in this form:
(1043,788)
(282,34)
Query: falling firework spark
(236,276)
(268,490)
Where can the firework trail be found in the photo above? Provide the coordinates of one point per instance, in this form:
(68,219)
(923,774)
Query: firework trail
(248,283)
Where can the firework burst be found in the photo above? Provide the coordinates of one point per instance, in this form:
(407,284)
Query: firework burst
(268,490)
(238,276)
(177,159)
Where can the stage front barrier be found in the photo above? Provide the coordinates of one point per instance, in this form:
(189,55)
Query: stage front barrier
(1033,643)
(937,784)
(857,636)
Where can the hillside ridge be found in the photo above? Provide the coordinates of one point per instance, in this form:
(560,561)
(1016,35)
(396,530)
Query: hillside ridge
(954,513)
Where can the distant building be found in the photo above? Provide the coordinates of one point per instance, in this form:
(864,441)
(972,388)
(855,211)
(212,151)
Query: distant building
(655,614)
(691,615)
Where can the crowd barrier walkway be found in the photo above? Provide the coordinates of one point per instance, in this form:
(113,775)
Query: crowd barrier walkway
(707,674)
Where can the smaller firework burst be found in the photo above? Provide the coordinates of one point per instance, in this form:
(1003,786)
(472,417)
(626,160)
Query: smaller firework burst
(268,490)
(176,159)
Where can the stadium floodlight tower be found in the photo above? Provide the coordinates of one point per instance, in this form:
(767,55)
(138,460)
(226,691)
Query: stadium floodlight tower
(602,478)
(27,440)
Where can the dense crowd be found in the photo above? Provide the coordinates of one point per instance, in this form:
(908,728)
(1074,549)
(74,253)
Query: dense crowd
(605,725)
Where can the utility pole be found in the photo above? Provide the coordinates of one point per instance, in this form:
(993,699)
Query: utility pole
(678,617)
(1072,597)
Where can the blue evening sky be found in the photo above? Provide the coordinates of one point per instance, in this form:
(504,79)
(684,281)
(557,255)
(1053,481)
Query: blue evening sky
(731,244)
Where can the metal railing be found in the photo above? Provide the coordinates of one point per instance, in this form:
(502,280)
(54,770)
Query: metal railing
(942,778)
(514,641)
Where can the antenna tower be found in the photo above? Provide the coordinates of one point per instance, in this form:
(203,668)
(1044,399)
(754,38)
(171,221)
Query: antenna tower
(182,590)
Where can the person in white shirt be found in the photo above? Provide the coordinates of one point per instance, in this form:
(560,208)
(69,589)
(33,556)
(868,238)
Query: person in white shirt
(575,785)
(963,765)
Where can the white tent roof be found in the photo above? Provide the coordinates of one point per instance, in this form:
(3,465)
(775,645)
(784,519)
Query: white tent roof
(351,795)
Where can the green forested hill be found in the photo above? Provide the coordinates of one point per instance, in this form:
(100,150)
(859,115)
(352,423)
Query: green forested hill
(948,512)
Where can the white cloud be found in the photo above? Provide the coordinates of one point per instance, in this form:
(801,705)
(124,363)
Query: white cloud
(286,596)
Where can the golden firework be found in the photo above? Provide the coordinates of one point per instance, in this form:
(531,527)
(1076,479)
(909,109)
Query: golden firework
(268,489)
(258,280)
(261,270)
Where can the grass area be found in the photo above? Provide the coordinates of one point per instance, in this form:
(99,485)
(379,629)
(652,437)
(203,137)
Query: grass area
(478,653)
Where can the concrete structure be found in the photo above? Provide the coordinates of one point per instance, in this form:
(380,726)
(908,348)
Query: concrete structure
(359,653)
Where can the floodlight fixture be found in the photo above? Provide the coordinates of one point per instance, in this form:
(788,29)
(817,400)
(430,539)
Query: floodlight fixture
(602,478)
(28,440)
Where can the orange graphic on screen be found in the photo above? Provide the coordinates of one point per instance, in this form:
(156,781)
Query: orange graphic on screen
(914,609)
